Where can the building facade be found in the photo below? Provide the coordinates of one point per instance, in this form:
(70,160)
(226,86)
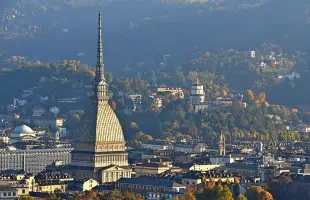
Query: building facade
(150,188)
(175,91)
(21,133)
(33,160)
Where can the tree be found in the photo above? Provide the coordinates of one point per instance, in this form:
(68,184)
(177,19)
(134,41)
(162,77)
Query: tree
(190,108)
(226,194)
(90,195)
(176,198)
(53,196)
(175,124)
(264,195)
(189,195)
(248,96)
(253,193)
(241,197)
(113,105)
(272,62)
(133,125)
(132,196)
(114,195)
(279,187)
(262,97)
(180,114)
(26,197)
(203,180)
(236,187)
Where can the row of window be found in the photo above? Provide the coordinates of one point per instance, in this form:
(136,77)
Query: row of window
(9,194)
(143,187)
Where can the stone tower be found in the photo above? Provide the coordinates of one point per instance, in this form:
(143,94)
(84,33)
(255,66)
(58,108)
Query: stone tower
(222,144)
(197,95)
(99,141)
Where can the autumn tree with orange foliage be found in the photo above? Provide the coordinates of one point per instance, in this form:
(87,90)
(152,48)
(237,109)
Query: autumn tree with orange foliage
(258,193)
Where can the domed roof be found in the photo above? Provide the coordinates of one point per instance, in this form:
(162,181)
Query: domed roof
(23,129)
(99,129)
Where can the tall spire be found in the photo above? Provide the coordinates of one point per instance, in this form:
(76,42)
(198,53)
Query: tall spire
(100,65)
(100,90)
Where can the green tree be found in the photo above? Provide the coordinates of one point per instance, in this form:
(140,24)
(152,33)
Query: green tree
(248,96)
(26,197)
(241,197)
(180,114)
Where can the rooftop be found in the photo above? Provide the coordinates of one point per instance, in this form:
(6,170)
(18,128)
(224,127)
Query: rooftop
(149,182)
(23,129)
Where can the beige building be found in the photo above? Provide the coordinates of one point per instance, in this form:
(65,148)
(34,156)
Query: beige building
(190,148)
(99,141)
(18,179)
(150,169)
(175,91)
(193,178)
(112,173)
(51,187)
(5,139)
(13,192)
(14,184)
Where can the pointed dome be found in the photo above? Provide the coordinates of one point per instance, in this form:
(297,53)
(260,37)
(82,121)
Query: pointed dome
(100,130)
(23,129)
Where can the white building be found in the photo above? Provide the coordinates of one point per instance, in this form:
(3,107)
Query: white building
(22,133)
(222,160)
(33,160)
(197,94)
(252,54)
(5,139)
(190,148)
(157,145)
(203,168)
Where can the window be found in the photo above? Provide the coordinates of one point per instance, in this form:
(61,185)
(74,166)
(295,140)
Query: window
(14,194)
(4,194)
(9,194)
(23,191)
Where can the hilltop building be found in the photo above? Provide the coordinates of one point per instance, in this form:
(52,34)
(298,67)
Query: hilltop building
(197,94)
(99,142)
(174,91)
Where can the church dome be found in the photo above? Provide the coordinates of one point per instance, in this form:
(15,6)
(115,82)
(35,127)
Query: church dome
(23,129)
(100,129)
